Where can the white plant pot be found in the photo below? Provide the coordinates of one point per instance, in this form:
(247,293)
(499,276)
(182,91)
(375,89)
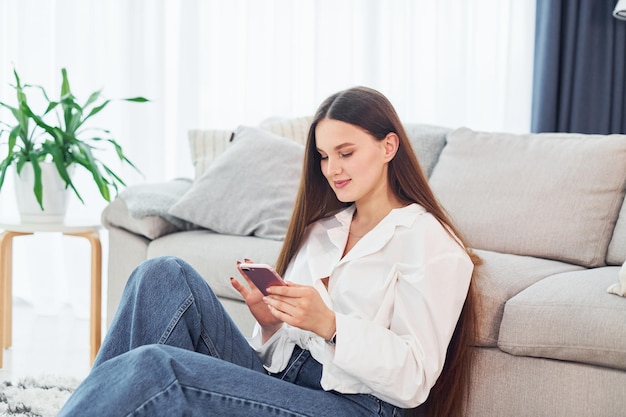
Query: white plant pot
(54,197)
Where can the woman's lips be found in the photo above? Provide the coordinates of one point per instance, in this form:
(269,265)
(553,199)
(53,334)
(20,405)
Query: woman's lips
(341,184)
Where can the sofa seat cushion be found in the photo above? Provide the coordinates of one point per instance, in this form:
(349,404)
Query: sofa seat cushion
(502,276)
(568,316)
(549,195)
(215,256)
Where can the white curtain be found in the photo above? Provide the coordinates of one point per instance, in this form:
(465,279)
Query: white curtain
(220,63)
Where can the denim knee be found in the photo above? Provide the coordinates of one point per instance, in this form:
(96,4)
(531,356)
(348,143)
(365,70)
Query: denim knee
(145,363)
(158,271)
(159,266)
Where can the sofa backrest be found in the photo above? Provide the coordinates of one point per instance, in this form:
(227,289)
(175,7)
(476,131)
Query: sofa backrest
(206,145)
(616,254)
(555,196)
(262,201)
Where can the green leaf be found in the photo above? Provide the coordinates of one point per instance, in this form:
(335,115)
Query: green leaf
(65,85)
(37,187)
(92,98)
(97,109)
(55,133)
(51,106)
(120,154)
(40,88)
(4,165)
(116,178)
(137,99)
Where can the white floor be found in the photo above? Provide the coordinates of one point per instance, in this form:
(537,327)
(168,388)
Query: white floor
(50,345)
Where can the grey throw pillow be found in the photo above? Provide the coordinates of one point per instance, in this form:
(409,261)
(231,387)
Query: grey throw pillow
(427,142)
(250,189)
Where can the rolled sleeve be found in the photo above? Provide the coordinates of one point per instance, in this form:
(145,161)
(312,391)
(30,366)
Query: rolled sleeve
(275,352)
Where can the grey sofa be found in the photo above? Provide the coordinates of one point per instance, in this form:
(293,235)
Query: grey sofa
(544,211)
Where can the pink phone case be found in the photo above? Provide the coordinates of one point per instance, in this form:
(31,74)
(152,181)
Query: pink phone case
(262,275)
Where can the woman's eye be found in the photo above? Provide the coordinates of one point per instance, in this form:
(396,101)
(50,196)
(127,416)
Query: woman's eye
(323,158)
(345,155)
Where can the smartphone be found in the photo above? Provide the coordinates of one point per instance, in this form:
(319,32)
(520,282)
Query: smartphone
(262,275)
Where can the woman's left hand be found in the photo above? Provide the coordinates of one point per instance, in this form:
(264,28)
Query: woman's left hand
(301,306)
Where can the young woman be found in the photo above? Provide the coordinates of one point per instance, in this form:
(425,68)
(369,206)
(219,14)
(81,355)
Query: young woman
(377,314)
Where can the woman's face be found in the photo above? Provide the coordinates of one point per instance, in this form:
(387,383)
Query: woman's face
(353,161)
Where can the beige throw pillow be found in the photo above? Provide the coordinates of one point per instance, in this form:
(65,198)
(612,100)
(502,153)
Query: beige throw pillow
(554,196)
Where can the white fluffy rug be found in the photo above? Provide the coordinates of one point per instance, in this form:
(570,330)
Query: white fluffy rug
(30,397)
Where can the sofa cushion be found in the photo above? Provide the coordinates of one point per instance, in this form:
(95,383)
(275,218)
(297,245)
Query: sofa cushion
(117,214)
(616,254)
(502,276)
(427,142)
(205,146)
(250,189)
(568,316)
(215,256)
(296,128)
(554,196)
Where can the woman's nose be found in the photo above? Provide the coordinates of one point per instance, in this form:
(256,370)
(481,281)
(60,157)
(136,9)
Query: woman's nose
(333,166)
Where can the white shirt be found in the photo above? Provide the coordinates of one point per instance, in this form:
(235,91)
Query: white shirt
(397,296)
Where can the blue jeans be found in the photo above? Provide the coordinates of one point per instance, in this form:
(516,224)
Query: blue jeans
(172,350)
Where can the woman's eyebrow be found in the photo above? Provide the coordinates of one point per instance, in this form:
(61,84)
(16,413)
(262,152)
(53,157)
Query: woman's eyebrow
(338,147)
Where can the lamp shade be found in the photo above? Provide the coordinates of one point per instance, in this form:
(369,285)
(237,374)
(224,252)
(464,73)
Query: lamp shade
(620,10)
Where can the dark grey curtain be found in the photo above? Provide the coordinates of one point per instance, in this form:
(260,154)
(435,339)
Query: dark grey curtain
(580,68)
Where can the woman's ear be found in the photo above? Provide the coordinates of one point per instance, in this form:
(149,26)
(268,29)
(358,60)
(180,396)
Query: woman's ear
(391,142)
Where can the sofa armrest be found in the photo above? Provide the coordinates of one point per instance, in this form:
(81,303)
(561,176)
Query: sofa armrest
(116,214)
(143,209)
(126,251)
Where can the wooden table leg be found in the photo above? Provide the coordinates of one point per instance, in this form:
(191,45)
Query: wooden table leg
(95,332)
(6,289)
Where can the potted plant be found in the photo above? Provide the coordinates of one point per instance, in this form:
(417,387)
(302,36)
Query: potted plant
(59,138)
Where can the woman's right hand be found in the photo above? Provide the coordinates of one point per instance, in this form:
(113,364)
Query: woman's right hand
(254,300)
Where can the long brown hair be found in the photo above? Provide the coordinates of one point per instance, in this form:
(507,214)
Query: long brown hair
(372,111)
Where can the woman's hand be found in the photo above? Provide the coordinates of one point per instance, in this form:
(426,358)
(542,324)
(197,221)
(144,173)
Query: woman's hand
(259,309)
(301,306)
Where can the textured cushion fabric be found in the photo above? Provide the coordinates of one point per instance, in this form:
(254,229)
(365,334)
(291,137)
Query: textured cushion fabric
(568,316)
(296,129)
(554,196)
(504,385)
(616,254)
(117,214)
(205,146)
(427,142)
(499,278)
(155,199)
(250,189)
